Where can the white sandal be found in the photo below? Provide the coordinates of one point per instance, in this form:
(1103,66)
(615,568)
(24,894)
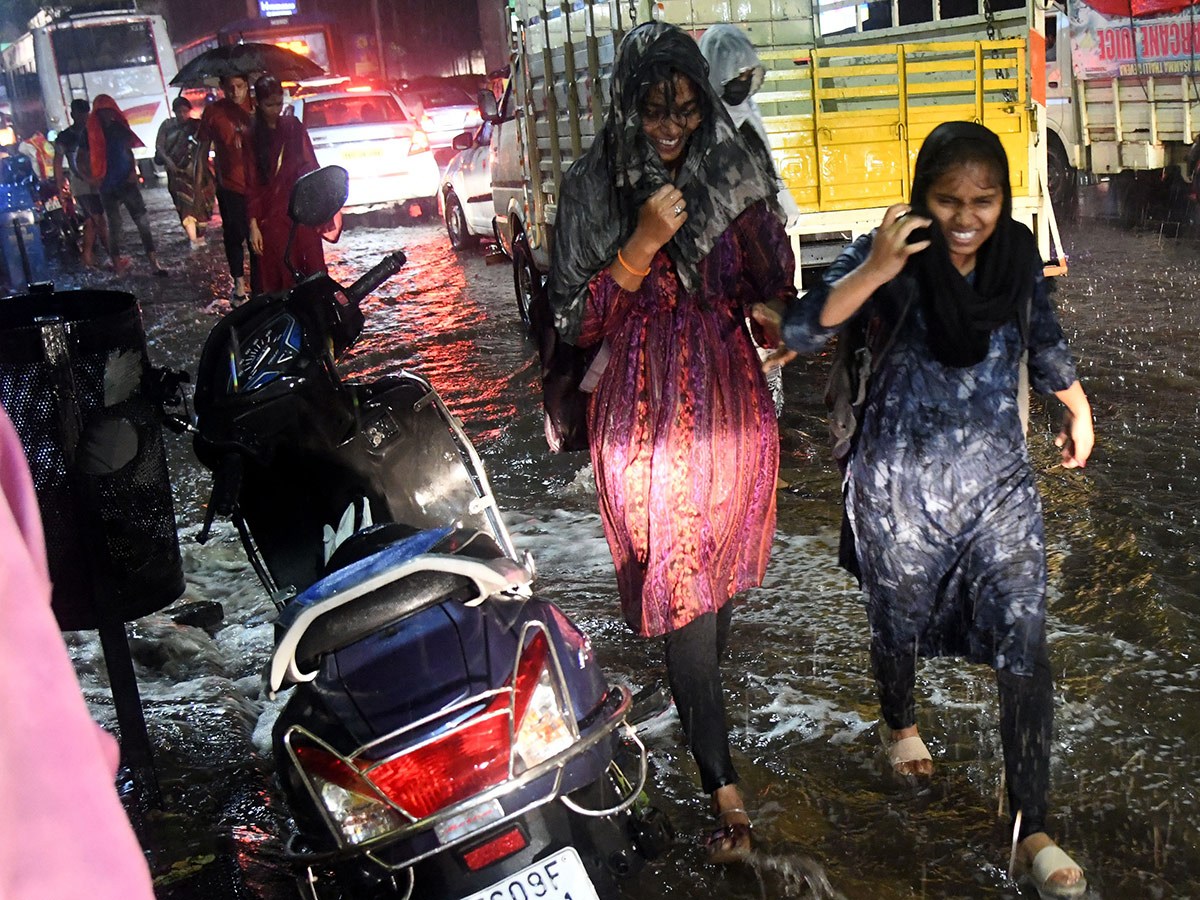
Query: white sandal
(1051,859)
(904,751)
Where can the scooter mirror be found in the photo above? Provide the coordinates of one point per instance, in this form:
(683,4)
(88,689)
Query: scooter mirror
(317,196)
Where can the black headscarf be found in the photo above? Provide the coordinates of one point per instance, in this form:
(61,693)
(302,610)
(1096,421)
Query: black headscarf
(961,316)
(604,189)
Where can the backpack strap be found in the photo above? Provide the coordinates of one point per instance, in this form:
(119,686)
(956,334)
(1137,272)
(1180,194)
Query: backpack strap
(1024,313)
(854,363)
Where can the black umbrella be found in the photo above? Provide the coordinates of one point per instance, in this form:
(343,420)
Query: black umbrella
(245,59)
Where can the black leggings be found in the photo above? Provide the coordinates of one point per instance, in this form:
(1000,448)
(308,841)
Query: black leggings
(1026,718)
(129,195)
(694,654)
(235,233)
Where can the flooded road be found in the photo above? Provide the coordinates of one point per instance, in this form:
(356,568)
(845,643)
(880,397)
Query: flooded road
(1124,607)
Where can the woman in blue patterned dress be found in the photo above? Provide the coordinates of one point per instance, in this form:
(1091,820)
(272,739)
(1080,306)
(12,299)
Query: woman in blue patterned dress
(940,495)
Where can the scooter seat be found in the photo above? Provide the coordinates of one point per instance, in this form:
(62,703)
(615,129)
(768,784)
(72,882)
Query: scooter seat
(350,604)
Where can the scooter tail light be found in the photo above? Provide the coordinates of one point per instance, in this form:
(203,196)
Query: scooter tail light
(542,727)
(475,755)
(451,768)
(353,805)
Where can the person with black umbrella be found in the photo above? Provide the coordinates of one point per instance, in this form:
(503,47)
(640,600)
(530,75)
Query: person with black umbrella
(223,126)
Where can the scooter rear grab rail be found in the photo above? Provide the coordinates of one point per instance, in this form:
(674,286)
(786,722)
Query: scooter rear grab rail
(375,276)
(490,577)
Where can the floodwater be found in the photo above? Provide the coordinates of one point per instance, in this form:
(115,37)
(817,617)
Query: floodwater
(1124,618)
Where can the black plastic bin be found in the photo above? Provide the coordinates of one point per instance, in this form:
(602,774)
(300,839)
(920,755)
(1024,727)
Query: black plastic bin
(72,376)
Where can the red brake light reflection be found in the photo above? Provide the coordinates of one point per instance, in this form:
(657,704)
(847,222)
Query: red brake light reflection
(497,848)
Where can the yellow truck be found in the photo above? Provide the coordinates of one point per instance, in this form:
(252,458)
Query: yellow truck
(1122,96)
(852,89)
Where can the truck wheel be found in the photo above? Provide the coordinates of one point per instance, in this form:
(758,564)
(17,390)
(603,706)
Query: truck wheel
(1060,177)
(456,224)
(527,281)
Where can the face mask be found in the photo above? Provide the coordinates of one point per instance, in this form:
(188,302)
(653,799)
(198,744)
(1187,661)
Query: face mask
(737,91)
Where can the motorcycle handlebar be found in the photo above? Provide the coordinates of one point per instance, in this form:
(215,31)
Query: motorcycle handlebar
(375,276)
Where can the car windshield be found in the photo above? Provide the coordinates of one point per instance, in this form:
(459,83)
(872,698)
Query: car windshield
(446,95)
(369,109)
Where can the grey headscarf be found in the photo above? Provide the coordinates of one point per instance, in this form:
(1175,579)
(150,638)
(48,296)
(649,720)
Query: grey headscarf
(604,189)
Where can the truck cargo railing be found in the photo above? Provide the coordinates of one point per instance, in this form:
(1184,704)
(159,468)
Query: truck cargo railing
(845,123)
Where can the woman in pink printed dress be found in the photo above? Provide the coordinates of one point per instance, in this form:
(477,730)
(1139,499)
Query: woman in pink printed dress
(666,235)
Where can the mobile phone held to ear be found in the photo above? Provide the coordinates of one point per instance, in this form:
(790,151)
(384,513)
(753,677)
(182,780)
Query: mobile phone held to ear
(917,235)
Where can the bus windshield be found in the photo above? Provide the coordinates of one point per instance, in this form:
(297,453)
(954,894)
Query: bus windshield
(97,48)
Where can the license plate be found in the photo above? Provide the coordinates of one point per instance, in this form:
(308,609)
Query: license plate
(362,152)
(52,204)
(558,877)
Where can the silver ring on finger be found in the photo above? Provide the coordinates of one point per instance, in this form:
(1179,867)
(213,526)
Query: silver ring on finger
(678,210)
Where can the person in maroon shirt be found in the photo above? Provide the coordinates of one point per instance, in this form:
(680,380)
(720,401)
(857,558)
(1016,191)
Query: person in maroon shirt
(277,152)
(223,126)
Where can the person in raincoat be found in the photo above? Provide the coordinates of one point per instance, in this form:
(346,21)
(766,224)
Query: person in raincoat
(941,499)
(189,180)
(277,152)
(736,73)
(666,233)
(114,172)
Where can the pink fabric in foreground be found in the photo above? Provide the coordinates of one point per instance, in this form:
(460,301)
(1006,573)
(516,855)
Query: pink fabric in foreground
(63,831)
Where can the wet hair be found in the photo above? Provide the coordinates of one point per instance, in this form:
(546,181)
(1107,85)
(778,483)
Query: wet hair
(961,150)
(181,103)
(663,73)
(265,87)
(80,107)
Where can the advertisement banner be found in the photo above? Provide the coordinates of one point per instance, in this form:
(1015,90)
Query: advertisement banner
(1105,46)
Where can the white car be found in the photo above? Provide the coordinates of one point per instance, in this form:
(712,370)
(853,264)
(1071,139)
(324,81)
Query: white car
(465,200)
(444,110)
(368,133)
(471,200)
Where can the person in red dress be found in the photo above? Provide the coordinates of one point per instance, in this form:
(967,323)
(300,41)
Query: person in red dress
(277,153)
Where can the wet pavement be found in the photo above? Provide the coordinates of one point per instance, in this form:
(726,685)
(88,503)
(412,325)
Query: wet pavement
(1124,605)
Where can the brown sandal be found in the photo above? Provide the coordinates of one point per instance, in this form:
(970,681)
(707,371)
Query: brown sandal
(730,842)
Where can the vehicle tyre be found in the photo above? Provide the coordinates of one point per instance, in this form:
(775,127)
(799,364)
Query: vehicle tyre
(1060,177)
(456,224)
(527,282)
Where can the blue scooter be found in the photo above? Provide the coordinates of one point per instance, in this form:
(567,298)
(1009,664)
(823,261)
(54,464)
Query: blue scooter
(448,735)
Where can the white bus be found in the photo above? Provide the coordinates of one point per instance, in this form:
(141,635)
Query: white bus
(120,52)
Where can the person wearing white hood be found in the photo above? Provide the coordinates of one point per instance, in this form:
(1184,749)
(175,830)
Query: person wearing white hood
(736,73)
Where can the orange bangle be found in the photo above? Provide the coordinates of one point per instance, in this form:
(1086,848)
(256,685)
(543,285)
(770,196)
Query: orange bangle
(628,268)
